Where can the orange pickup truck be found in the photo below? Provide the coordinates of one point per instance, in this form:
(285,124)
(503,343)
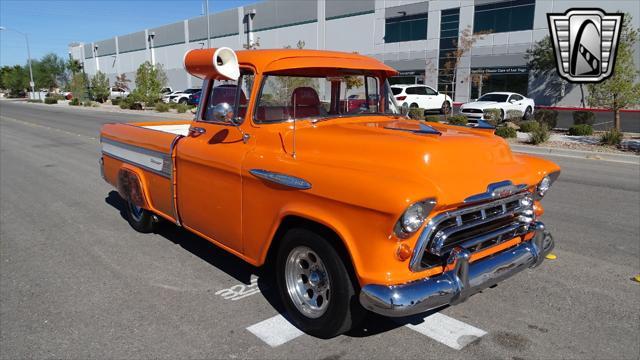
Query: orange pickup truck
(356,208)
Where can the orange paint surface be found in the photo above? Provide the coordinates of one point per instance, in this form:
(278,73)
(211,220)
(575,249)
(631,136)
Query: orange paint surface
(363,174)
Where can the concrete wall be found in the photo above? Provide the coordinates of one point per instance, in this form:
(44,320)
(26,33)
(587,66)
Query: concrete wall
(354,25)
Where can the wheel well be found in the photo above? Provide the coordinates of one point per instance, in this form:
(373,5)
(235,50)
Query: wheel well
(291,222)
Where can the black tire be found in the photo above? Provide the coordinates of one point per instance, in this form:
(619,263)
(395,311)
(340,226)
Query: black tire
(446,108)
(527,113)
(182,101)
(413,106)
(343,310)
(140,219)
(501,115)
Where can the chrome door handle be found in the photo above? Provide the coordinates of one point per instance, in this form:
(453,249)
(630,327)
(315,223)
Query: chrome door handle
(196,131)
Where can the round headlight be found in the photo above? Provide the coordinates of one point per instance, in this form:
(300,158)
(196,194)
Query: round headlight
(544,185)
(413,218)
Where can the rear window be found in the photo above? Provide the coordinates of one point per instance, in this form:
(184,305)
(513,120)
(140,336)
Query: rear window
(396,90)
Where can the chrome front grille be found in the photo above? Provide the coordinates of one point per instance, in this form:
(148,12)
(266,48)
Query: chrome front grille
(473,228)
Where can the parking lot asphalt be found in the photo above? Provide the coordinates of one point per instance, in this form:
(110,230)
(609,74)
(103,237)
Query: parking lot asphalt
(77,282)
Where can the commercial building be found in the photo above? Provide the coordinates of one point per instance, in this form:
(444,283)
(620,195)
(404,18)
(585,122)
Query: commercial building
(416,37)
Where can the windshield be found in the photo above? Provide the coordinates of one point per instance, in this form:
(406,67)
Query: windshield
(494,97)
(284,97)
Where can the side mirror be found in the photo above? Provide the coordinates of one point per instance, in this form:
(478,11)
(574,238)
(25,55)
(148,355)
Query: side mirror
(404,109)
(223,112)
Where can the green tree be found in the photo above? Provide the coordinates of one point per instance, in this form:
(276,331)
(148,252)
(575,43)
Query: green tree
(621,89)
(47,72)
(100,87)
(74,66)
(15,79)
(78,86)
(149,82)
(122,82)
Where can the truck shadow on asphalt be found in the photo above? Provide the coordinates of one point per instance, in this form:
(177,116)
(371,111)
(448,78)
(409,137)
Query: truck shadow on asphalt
(242,271)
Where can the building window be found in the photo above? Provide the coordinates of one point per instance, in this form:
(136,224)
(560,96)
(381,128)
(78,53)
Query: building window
(504,16)
(449,24)
(406,28)
(486,80)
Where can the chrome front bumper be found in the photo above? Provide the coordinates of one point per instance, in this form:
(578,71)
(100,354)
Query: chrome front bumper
(456,285)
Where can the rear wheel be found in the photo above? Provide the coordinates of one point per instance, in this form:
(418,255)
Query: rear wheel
(140,219)
(413,106)
(315,286)
(527,113)
(446,108)
(182,101)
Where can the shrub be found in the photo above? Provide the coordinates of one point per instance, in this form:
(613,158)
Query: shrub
(100,87)
(87,103)
(416,113)
(50,100)
(173,105)
(492,116)
(432,118)
(182,108)
(459,120)
(529,126)
(546,117)
(514,115)
(74,102)
(116,101)
(539,135)
(124,104)
(506,132)
(162,107)
(581,130)
(611,137)
(584,117)
(35,101)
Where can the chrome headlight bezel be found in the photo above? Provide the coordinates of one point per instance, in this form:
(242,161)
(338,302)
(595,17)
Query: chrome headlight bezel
(545,184)
(413,218)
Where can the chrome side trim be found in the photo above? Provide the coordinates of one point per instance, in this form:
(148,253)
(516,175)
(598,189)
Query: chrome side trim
(151,160)
(281,179)
(495,191)
(461,281)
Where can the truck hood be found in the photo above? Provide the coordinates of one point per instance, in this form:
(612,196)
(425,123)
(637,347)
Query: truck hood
(456,163)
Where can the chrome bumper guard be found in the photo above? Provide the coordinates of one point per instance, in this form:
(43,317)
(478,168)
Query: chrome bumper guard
(456,285)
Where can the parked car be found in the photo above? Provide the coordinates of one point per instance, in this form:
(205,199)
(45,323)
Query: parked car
(181,97)
(116,92)
(355,210)
(504,101)
(422,96)
(194,99)
(166,90)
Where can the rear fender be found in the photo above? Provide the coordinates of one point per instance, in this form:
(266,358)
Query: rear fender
(131,186)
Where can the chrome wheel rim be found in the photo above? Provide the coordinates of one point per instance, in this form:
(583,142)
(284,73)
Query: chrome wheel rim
(445,108)
(136,212)
(307,282)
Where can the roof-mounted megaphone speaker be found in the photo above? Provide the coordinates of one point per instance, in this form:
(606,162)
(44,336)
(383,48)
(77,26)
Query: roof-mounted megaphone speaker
(221,63)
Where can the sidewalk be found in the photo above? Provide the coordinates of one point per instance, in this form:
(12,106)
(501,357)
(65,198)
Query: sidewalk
(64,104)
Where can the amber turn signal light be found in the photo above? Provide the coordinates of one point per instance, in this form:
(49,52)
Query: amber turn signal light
(403,252)
(538,210)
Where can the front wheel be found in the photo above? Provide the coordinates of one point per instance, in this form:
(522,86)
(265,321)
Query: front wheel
(527,113)
(315,286)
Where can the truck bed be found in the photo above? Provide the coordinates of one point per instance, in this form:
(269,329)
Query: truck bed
(145,149)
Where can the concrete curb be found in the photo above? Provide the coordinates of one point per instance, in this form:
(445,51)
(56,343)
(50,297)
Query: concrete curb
(65,106)
(578,154)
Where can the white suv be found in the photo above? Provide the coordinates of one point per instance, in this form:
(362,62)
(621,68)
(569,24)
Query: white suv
(422,96)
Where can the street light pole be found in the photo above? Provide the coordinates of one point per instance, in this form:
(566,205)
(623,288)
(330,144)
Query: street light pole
(206,13)
(26,38)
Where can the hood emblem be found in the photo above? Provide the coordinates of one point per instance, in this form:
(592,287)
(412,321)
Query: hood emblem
(496,191)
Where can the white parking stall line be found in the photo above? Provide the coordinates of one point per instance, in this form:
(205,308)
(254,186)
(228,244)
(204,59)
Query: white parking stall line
(275,331)
(449,331)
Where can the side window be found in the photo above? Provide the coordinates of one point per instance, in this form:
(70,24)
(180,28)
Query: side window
(417,90)
(234,93)
(515,98)
(430,91)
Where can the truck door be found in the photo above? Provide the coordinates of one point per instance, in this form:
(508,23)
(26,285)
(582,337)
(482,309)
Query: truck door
(208,163)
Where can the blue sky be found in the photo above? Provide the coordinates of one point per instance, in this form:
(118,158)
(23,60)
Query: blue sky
(53,24)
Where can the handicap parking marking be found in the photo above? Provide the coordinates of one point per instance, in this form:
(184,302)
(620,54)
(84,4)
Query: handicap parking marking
(448,331)
(275,331)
